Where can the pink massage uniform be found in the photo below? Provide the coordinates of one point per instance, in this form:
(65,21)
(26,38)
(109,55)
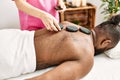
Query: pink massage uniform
(28,22)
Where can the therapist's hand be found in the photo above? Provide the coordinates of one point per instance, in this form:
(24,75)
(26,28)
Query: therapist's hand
(62,5)
(50,22)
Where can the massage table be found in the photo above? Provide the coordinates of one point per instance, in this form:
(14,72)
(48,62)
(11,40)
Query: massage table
(104,68)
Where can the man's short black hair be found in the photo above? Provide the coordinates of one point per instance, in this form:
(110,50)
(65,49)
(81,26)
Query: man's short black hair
(111,29)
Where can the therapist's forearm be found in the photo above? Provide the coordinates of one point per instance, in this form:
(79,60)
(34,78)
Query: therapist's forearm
(29,9)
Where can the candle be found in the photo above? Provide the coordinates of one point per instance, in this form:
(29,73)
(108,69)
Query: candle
(84,2)
(76,3)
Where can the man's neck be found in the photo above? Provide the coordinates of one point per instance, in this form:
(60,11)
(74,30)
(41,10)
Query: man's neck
(93,36)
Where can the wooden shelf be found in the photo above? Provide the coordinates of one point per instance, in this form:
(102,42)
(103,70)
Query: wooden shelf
(83,16)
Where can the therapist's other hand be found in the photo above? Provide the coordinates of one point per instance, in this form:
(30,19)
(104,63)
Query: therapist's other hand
(62,5)
(50,22)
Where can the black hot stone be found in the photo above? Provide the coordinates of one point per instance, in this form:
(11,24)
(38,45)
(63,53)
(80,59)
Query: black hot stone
(58,8)
(71,28)
(85,30)
(61,26)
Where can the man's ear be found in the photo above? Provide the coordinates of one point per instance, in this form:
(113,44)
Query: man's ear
(105,43)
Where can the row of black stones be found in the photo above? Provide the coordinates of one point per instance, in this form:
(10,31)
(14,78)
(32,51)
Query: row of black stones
(75,29)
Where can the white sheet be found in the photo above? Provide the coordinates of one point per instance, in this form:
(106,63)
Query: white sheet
(104,69)
(17,54)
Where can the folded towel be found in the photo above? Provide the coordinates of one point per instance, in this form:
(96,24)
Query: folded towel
(114,53)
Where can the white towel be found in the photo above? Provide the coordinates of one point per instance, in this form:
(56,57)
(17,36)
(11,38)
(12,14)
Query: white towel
(114,53)
(17,54)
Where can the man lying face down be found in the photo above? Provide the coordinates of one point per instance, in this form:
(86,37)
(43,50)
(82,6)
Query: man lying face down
(73,52)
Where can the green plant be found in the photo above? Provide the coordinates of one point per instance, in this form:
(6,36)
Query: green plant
(110,7)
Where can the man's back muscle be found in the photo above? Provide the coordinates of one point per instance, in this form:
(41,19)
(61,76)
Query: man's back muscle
(54,48)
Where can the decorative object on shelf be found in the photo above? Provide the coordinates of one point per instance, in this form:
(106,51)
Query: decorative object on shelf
(65,0)
(83,16)
(76,3)
(84,2)
(110,7)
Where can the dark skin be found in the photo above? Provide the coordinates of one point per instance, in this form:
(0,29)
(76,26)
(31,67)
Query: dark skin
(73,52)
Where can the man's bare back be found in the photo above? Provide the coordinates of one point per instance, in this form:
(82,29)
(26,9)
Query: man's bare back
(54,48)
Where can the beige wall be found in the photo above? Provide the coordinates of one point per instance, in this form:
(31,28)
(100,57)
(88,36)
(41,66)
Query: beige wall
(8,14)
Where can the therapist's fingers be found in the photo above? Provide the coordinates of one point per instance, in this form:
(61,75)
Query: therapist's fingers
(62,5)
(53,27)
(50,23)
(57,26)
(48,27)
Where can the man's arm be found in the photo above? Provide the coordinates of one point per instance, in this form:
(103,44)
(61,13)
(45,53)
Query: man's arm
(69,70)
